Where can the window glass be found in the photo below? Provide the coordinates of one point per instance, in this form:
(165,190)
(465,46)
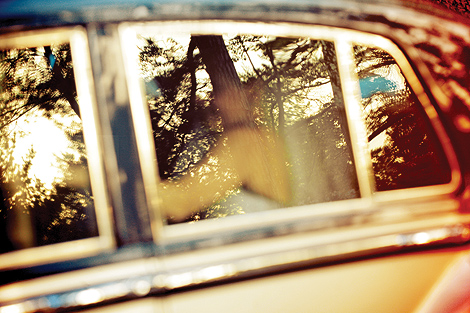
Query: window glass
(44,183)
(404,149)
(245,123)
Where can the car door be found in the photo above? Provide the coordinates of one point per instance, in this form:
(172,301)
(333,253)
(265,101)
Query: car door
(323,148)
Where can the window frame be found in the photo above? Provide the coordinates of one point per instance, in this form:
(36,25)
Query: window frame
(369,201)
(77,38)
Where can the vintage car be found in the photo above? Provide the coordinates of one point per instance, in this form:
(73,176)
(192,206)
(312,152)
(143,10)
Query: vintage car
(234,156)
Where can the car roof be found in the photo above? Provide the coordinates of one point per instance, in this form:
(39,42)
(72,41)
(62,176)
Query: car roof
(15,14)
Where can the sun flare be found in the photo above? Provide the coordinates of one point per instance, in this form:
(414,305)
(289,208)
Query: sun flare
(47,138)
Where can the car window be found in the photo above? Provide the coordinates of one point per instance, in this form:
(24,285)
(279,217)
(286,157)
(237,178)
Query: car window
(44,182)
(404,148)
(245,123)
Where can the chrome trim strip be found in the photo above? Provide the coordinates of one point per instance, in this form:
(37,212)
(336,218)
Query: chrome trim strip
(53,253)
(92,133)
(155,277)
(76,36)
(142,126)
(356,124)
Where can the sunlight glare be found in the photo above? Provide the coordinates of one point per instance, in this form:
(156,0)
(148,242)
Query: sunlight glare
(48,141)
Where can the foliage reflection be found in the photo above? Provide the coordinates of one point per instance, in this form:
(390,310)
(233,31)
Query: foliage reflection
(405,151)
(44,184)
(246,123)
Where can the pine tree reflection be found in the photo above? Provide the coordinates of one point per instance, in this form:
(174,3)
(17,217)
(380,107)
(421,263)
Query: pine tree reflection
(229,118)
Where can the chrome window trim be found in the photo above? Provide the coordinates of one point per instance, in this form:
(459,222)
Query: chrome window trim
(357,127)
(77,38)
(344,39)
(142,125)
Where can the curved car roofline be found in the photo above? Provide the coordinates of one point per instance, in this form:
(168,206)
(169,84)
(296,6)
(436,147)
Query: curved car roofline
(43,13)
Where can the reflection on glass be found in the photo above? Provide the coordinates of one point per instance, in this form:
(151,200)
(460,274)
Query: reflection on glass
(44,184)
(405,151)
(246,123)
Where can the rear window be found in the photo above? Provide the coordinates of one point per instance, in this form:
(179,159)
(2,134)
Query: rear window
(404,148)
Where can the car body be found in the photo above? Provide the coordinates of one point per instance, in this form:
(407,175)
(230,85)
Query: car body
(331,175)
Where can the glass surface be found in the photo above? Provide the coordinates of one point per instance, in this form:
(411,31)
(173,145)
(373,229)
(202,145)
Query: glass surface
(245,123)
(404,148)
(44,182)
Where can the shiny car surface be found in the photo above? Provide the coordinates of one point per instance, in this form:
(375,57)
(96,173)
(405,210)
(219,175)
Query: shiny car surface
(234,156)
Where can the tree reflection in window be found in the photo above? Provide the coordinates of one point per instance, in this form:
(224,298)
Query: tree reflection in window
(405,150)
(46,196)
(241,118)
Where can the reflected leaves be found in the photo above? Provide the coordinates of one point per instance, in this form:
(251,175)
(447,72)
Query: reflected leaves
(38,89)
(404,149)
(206,86)
(285,91)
